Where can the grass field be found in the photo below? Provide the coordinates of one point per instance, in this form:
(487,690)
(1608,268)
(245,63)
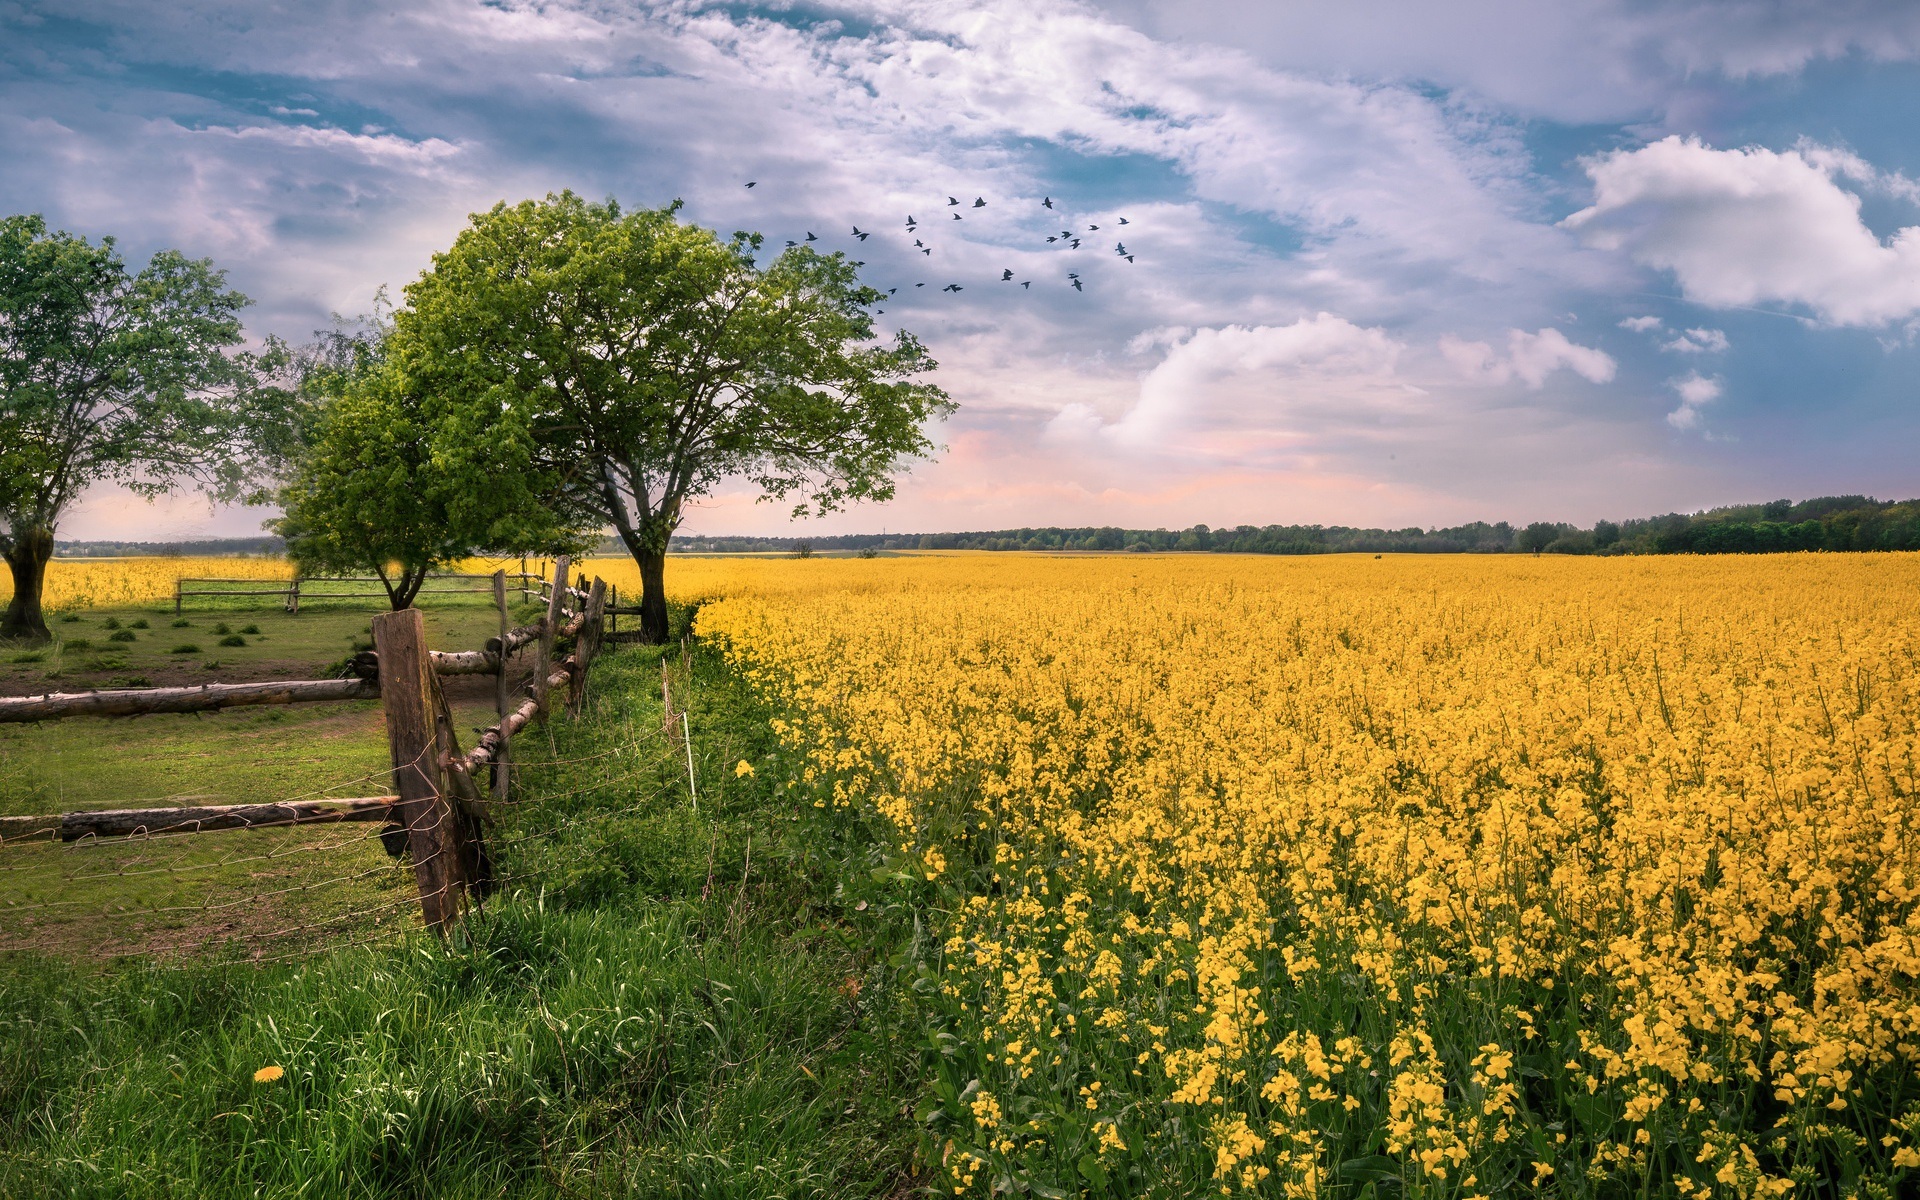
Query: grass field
(668,1002)
(163,894)
(1137,876)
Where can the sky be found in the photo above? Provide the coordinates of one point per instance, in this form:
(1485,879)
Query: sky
(1392,262)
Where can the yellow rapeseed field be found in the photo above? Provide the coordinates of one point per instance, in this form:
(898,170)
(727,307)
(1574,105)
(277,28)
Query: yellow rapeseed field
(76,583)
(1370,877)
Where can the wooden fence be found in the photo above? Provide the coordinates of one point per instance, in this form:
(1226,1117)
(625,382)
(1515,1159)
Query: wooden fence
(437,811)
(312,587)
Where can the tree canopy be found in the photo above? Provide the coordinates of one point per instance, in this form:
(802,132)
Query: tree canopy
(107,374)
(391,483)
(650,359)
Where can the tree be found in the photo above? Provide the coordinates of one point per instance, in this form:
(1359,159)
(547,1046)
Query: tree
(651,360)
(110,376)
(392,483)
(1536,537)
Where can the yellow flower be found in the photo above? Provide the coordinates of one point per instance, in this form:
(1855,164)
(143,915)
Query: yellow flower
(268,1074)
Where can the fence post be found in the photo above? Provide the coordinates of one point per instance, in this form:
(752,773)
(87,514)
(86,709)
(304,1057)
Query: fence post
(409,693)
(587,646)
(176,597)
(501,770)
(549,630)
(293,597)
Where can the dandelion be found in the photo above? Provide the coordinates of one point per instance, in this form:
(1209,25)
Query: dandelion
(268,1074)
(742,768)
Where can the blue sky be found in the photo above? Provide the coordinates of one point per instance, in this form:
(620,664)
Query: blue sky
(1394,262)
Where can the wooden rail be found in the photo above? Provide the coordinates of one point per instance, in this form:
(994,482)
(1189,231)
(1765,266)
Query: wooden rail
(130,822)
(438,813)
(208,697)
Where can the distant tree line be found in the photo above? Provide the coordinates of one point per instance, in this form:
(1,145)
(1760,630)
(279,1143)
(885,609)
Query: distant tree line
(1825,523)
(252,547)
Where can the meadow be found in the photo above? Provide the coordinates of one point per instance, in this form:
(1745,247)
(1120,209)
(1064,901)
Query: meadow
(1129,876)
(1361,876)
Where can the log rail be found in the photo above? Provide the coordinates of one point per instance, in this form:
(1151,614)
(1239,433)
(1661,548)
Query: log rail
(439,814)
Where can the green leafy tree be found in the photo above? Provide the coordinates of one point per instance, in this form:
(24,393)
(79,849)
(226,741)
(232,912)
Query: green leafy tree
(651,359)
(1536,537)
(111,375)
(390,481)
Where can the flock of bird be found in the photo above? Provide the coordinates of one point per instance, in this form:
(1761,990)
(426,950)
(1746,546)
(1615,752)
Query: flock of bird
(1066,238)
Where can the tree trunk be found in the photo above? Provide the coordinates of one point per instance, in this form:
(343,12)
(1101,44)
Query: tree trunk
(28,561)
(653,595)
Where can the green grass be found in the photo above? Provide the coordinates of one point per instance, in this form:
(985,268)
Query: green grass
(661,1002)
(87,900)
(90,646)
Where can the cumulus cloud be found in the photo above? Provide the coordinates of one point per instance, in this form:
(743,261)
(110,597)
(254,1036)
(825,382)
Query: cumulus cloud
(1748,226)
(1641,324)
(1234,391)
(1530,358)
(1696,391)
(1697,341)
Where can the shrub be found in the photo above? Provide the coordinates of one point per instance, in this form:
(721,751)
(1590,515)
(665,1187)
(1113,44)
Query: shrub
(222,628)
(107,662)
(253,629)
(233,639)
(70,619)
(185,648)
(182,623)
(123,635)
(111,623)
(29,656)
(77,644)
(140,624)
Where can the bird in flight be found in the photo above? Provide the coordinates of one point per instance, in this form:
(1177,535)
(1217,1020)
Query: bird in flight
(791,243)
(1120,248)
(952,200)
(952,287)
(956,216)
(1066,233)
(862,236)
(1006,276)
(919,285)
(1091,228)
(927,250)
(911,223)
(1123,220)
(891,291)
(918,242)
(1128,257)
(1053,239)
(1047,203)
(810,236)
(1026,283)
(979,202)
(1077,287)
(753,183)
(1076,243)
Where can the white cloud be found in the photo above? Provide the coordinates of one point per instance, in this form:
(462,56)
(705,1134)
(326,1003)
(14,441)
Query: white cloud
(1234,392)
(1696,391)
(1571,60)
(1530,358)
(1641,324)
(1697,341)
(1743,227)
